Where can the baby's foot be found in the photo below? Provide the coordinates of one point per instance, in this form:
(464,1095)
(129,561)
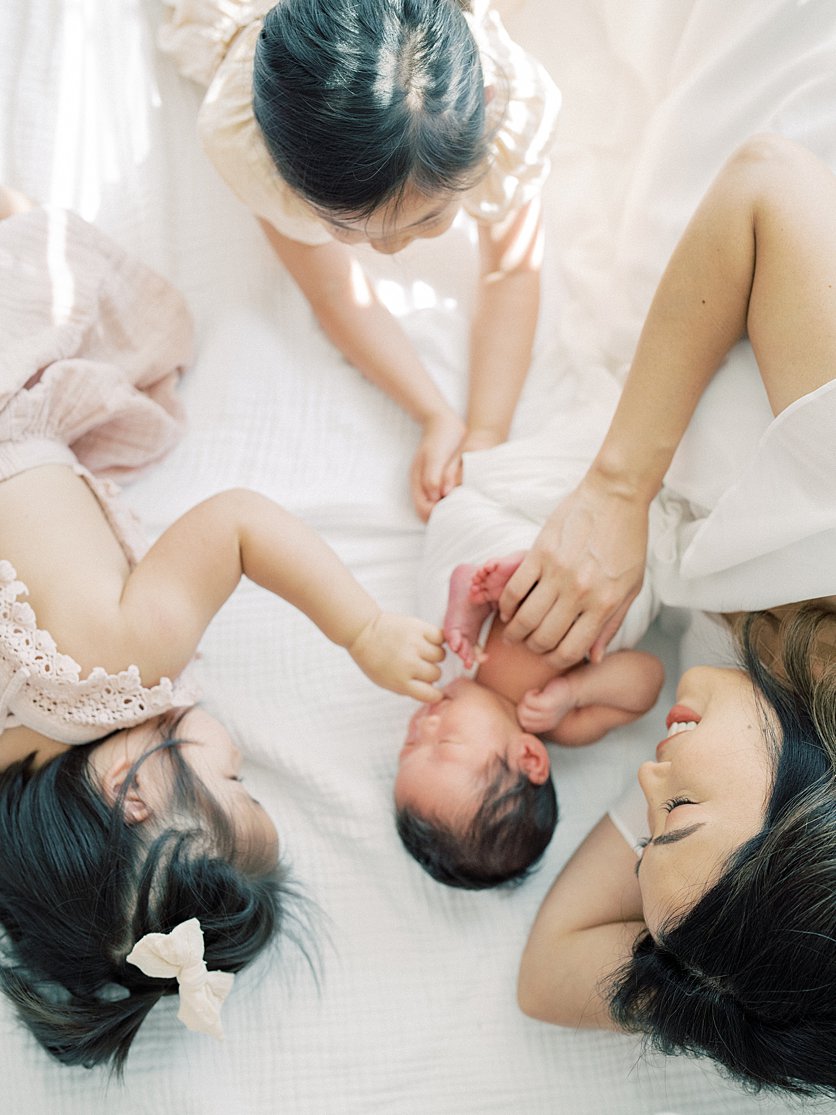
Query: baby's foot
(491,578)
(541,710)
(464,617)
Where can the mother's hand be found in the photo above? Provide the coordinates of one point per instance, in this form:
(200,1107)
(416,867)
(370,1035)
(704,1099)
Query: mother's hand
(572,590)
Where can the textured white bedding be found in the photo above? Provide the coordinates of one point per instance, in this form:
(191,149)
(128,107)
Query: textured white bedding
(414,1010)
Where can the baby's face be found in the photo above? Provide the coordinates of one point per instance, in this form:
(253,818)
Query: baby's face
(453,749)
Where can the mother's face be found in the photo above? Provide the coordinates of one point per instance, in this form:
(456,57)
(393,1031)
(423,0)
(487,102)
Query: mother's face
(707,791)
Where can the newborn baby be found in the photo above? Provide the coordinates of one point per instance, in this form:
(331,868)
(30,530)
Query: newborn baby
(475,802)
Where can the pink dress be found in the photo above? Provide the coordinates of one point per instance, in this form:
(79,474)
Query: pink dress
(93,343)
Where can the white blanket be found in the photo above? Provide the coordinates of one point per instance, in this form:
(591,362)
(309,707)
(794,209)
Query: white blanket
(414,1009)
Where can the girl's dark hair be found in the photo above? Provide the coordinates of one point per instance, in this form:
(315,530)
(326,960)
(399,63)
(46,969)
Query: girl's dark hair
(79,886)
(359,100)
(509,833)
(748,976)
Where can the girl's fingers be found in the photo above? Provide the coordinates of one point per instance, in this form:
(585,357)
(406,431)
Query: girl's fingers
(426,671)
(433,653)
(423,692)
(452,475)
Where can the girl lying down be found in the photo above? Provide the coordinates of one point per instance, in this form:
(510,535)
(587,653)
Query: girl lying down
(133,857)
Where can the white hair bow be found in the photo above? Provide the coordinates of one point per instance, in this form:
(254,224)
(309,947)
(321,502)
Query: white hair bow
(180,953)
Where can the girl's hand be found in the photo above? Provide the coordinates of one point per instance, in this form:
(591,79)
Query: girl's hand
(472,441)
(401,653)
(442,436)
(573,588)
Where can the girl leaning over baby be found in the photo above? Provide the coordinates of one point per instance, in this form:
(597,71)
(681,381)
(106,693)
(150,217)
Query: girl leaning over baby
(135,865)
(348,122)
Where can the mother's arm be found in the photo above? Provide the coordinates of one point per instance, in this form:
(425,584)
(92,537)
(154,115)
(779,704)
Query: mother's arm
(583,933)
(758,256)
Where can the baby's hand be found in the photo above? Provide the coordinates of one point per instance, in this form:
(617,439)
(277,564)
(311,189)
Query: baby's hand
(440,440)
(401,653)
(541,710)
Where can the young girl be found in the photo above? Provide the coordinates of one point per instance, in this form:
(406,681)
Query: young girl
(131,865)
(341,122)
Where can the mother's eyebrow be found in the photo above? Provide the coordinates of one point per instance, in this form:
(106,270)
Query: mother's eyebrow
(672,837)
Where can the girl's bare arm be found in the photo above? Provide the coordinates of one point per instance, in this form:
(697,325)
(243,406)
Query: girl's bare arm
(502,332)
(173,593)
(370,338)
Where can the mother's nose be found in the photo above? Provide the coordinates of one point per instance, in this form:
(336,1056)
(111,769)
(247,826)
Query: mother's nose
(652,778)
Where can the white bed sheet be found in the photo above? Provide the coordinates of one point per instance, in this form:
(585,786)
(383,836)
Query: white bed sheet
(414,1011)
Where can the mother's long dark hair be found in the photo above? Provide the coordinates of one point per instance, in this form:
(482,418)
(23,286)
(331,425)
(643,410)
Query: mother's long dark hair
(748,975)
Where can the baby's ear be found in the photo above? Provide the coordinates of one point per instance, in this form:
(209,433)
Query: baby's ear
(532,758)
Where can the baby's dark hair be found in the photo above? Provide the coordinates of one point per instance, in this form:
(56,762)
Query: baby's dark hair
(79,886)
(748,975)
(359,100)
(509,833)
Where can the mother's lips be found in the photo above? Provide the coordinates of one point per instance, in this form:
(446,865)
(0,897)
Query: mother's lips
(681,714)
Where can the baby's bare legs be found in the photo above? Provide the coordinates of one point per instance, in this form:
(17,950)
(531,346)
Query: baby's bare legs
(582,705)
(472,596)
(464,618)
(491,578)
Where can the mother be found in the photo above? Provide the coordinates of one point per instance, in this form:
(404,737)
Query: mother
(721,940)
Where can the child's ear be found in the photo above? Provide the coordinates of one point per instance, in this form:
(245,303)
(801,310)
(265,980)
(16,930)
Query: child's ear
(533,758)
(135,808)
(489,92)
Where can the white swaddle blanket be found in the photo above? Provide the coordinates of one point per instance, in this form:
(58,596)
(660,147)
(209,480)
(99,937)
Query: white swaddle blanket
(508,492)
